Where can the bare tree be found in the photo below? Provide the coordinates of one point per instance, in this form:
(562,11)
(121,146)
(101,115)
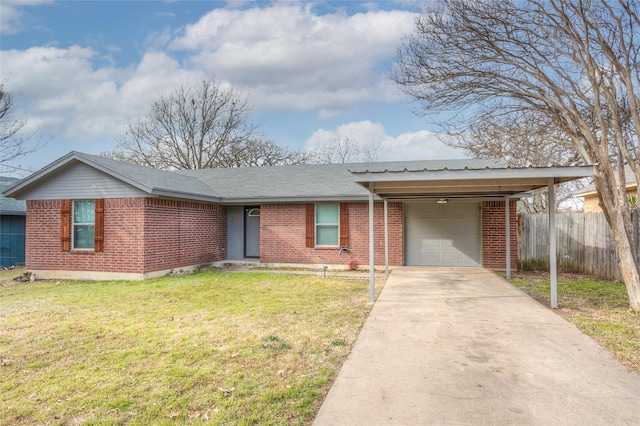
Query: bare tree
(575,62)
(343,150)
(12,144)
(197,128)
(192,128)
(523,139)
(251,153)
(263,152)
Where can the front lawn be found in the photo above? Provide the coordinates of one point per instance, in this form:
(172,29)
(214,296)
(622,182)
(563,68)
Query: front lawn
(599,308)
(219,348)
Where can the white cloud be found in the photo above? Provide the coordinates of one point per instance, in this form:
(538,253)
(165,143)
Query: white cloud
(288,56)
(422,145)
(65,97)
(285,56)
(12,15)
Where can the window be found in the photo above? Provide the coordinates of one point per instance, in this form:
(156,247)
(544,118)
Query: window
(327,224)
(83,227)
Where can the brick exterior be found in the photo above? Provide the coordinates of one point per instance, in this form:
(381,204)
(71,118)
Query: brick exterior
(182,233)
(282,235)
(141,235)
(494,235)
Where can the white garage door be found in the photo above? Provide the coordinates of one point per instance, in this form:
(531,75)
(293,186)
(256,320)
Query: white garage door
(442,234)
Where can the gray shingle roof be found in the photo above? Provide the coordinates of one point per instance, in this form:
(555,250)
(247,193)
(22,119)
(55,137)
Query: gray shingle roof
(10,205)
(312,182)
(629,177)
(152,181)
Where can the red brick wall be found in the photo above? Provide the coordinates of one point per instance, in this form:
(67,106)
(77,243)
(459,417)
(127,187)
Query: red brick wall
(123,239)
(140,235)
(282,235)
(181,233)
(494,235)
(146,235)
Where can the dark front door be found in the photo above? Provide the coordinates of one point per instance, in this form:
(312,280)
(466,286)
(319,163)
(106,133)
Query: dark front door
(252,231)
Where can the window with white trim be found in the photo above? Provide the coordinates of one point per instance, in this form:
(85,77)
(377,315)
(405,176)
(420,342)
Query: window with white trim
(83,227)
(327,224)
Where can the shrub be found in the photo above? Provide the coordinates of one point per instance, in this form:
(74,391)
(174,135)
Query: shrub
(354,264)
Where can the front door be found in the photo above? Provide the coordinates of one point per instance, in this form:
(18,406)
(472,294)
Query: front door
(252,231)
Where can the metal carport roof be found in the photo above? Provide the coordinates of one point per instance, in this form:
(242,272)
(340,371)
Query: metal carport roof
(464,183)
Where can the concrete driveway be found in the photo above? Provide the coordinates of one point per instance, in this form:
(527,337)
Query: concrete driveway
(453,346)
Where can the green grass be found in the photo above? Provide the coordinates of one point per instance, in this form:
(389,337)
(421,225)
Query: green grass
(247,348)
(599,308)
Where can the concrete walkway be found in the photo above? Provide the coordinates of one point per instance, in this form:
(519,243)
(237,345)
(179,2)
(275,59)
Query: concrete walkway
(452,346)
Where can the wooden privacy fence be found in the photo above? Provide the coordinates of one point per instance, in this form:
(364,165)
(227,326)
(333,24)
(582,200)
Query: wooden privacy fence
(584,243)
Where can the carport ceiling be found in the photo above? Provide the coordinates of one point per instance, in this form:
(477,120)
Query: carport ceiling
(464,183)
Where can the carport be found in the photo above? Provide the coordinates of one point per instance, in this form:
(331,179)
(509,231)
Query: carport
(448,185)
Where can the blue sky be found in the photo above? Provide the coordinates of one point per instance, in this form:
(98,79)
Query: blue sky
(313,71)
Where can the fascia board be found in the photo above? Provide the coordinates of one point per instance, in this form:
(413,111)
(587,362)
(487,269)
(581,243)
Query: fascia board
(561,173)
(159,192)
(274,200)
(35,177)
(63,163)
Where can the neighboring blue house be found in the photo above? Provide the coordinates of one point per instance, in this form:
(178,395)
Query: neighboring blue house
(12,226)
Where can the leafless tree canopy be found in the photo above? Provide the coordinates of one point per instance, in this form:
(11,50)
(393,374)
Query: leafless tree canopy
(573,62)
(343,150)
(196,128)
(523,140)
(262,152)
(12,144)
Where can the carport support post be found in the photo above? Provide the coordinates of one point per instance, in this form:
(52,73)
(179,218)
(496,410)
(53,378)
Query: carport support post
(386,239)
(372,276)
(553,270)
(507,227)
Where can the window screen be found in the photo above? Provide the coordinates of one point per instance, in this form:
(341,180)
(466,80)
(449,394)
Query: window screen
(327,224)
(84,224)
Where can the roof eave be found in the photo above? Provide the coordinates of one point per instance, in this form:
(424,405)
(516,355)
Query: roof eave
(159,192)
(587,193)
(61,164)
(560,174)
(303,199)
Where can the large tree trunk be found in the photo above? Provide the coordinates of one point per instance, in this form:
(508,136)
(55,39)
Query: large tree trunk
(616,210)
(574,63)
(626,262)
